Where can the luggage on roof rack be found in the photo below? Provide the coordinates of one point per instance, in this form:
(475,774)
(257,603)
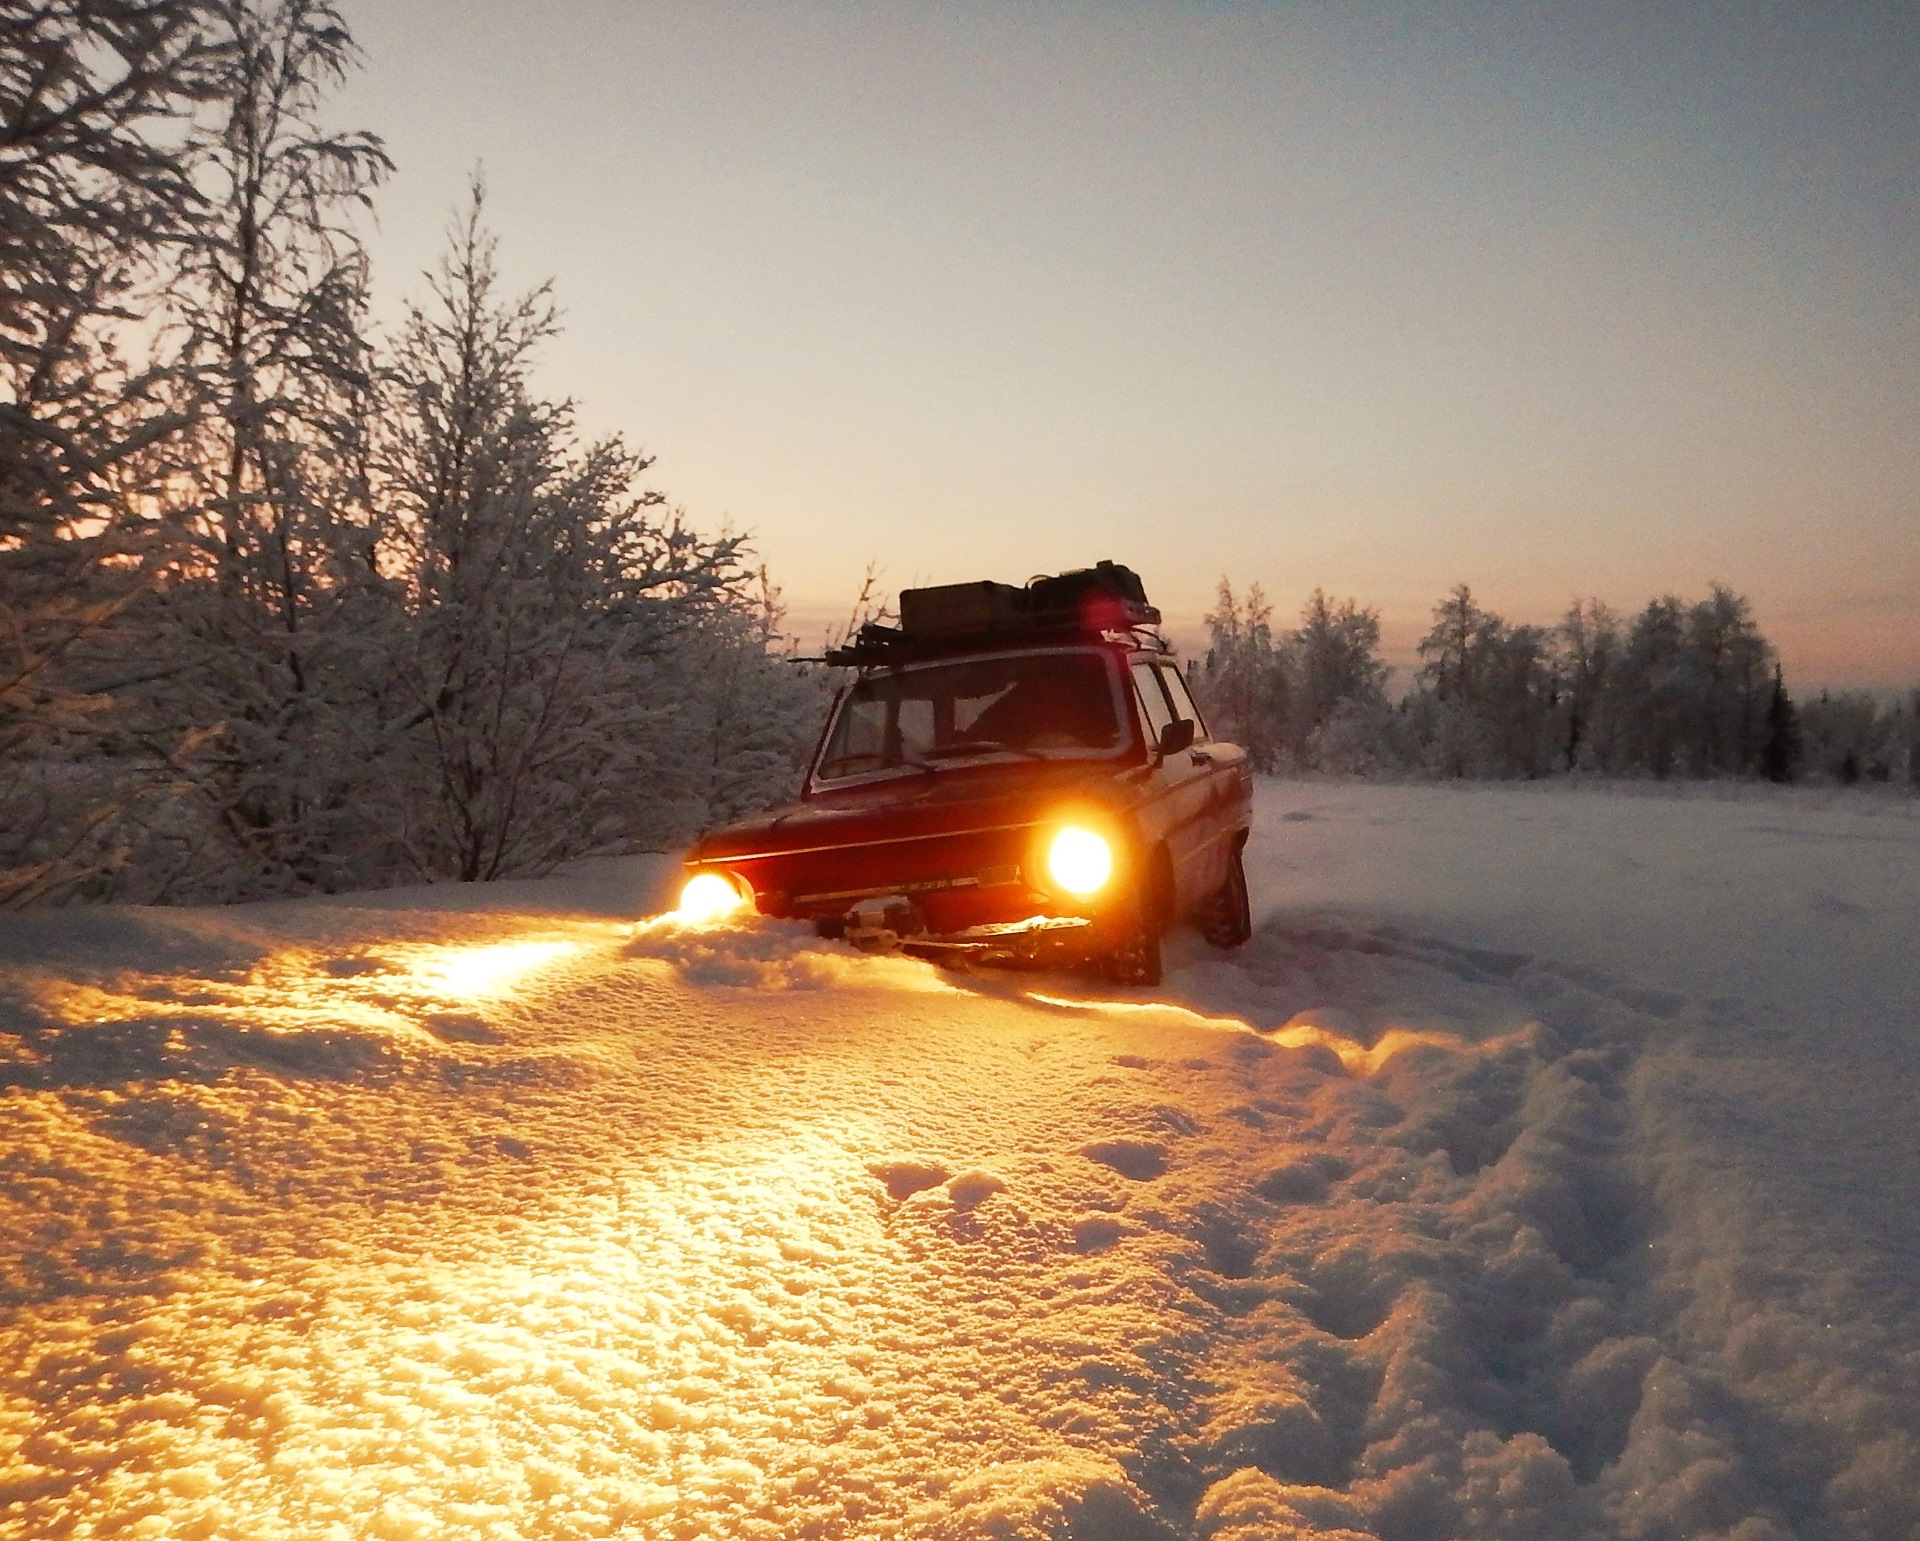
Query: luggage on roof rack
(961,609)
(1105,597)
(1089,601)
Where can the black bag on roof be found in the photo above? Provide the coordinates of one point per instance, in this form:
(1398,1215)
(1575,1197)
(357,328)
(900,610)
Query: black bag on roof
(1105,597)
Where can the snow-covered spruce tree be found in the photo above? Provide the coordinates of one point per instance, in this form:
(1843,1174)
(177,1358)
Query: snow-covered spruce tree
(96,133)
(269,619)
(558,613)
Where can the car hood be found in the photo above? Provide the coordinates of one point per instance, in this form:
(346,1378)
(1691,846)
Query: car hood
(945,802)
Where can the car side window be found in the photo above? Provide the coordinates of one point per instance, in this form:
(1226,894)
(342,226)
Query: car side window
(863,730)
(1153,702)
(915,725)
(1182,700)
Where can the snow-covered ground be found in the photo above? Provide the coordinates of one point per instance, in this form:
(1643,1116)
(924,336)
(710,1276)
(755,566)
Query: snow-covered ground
(1545,1167)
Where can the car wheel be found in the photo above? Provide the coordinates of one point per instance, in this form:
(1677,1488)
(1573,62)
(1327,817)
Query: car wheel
(1136,960)
(1226,919)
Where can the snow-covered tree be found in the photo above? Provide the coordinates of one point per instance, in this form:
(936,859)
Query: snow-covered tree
(1453,652)
(1589,649)
(1245,684)
(96,132)
(545,702)
(1456,658)
(323,619)
(751,713)
(1494,701)
(1521,693)
(1310,698)
(1337,652)
(1650,690)
(1727,668)
(1848,736)
(262,330)
(273,295)
(1690,692)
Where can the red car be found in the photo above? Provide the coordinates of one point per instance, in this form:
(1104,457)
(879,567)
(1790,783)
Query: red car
(1015,775)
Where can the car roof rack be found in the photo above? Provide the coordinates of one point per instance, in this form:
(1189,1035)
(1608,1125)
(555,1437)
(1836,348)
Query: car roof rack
(1100,602)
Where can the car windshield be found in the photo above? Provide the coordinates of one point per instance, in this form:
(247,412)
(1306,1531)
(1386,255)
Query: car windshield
(1026,705)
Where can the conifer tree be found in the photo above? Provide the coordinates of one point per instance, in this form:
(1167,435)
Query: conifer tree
(1780,751)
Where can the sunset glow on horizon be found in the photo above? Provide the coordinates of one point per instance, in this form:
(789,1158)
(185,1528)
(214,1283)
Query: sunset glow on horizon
(1613,302)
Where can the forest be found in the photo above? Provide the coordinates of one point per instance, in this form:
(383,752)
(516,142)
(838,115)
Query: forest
(293,603)
(1678,690)
(286,604)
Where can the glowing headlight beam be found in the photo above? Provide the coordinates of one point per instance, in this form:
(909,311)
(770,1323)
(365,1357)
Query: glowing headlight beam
(1080,861)
(708,897)
(468,972)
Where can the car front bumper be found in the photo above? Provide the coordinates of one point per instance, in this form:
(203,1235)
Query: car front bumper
(894,923)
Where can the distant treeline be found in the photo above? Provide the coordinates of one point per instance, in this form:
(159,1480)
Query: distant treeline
(286,605)
(1681,689)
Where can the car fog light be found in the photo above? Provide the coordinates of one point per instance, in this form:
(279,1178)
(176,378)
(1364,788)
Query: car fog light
(708,896)
(1080,861)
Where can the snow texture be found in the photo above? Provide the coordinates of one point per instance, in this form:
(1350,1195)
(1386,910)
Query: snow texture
(1540,1169)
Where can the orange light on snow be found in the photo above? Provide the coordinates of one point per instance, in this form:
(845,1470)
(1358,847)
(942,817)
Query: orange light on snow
(708,897)
(1080,861)
(470,972)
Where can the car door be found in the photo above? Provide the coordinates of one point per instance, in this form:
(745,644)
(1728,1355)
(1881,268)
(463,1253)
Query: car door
(1225,787)
(1183,779)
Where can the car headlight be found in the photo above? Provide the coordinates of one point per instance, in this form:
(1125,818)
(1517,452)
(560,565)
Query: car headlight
(708,896)
(1080,861)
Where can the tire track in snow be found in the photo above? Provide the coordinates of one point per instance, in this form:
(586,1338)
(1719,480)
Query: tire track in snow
(1717,1396)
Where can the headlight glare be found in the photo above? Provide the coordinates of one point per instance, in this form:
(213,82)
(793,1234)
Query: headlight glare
(1080,861)
(707,897)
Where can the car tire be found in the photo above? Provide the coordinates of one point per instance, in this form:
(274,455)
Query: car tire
(1133,958)
(1136,961)
(1226,919)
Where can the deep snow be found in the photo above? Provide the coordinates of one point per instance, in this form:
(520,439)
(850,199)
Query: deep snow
(1545,1167)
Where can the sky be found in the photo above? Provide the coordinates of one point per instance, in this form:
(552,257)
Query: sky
(1609,300)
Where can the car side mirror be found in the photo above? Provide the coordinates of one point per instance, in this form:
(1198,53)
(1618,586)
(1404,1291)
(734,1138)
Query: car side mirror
(1175,736)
